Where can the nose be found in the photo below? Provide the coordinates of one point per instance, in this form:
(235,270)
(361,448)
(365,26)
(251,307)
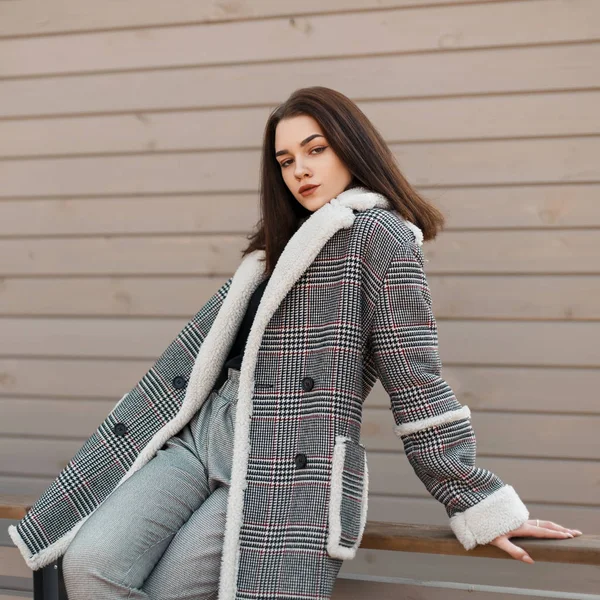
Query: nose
(300,169)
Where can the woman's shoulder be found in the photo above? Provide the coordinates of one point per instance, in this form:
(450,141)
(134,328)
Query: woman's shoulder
(386,229)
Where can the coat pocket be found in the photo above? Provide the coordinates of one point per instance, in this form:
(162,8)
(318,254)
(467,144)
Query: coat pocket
(348,498)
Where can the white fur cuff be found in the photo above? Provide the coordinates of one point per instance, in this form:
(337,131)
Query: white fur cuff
(495,515)
(447,417)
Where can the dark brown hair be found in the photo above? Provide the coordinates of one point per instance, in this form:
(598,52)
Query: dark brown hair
(361,148)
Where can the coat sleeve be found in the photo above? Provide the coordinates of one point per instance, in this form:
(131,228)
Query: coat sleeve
(434,427)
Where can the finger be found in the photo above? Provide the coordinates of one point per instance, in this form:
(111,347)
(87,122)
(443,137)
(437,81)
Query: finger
(551,526)
(515,551)
(556,527)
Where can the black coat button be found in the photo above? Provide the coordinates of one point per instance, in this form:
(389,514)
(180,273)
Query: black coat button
(120,429)
(300,461)
(179,382)
(308,383)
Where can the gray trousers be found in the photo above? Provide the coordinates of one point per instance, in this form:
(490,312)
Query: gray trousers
(159,535)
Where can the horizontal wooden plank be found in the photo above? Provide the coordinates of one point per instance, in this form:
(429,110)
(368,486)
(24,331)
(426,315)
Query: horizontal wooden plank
(512,389)
(12,563)
(519,388)
(519,343)
(550,114)
(568,297)
(362,33)
(435,539)
(24,484)
(547,297)
(461,342)
(448,163)
(531,435)
(435,74)
(569,252)
(535,480)
(542,207)
(524,252)
(389,472)
(70,378)
(74,15)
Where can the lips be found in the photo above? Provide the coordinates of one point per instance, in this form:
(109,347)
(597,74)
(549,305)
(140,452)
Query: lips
(305,188)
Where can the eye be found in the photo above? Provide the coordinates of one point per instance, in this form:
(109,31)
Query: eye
(285,162)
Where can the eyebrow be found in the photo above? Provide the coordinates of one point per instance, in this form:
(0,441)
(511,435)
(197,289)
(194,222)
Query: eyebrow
(302,143)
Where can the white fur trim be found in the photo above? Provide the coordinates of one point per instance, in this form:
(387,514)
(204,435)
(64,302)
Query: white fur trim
(334,548)
(298,254)
(495,515)
(447,417)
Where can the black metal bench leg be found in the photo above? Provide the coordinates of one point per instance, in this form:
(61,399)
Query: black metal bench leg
(48,582)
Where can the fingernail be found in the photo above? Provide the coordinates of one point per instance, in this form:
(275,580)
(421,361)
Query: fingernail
(569,534)
(528,559)
(576,531)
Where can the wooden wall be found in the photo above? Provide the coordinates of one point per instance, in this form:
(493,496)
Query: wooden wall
(129,151)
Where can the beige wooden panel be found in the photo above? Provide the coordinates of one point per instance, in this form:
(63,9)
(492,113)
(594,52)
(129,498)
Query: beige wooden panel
(542,297)
(520,343)
(531,435)
(463,342)
(78,15)
(199,213)
(498,434)
(448,163)
(568,252)
(516,297)
(487,71)
(32,486)
(531,252)
(108,296)
(12,564)
(537,480)
(540,206)
(517,389)
(363,33)
(177,255)
(65,419)
(564,390)
(551,113)
(71,378)
(390,472)
(543,207)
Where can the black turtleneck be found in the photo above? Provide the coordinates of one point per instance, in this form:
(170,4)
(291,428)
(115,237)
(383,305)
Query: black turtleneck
(236,353)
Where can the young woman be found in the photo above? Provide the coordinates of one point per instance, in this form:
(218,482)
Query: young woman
(234,466)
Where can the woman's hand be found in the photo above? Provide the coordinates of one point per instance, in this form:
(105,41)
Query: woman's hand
(532,528)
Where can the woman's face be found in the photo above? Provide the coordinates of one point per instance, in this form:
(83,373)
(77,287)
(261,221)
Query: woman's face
(306,158)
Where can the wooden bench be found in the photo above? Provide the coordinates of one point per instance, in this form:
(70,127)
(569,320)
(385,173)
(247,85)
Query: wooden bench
(399,537)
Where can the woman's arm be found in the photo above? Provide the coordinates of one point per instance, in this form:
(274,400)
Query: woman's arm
(434,427)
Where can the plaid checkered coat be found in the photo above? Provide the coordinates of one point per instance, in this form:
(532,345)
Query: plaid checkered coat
(347,303)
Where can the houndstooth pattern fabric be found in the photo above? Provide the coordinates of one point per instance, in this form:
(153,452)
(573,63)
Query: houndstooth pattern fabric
(105,457)
(405,353)
(347,304)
